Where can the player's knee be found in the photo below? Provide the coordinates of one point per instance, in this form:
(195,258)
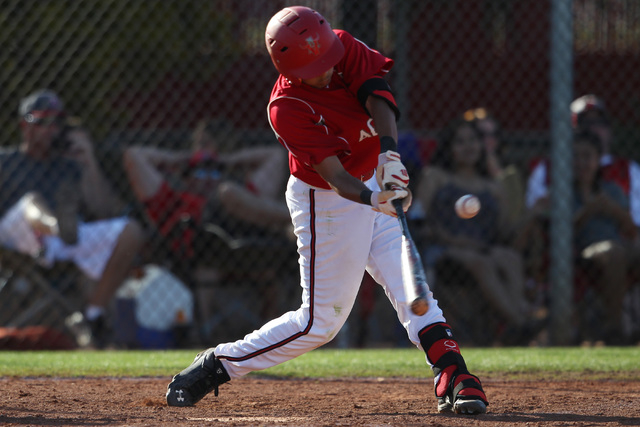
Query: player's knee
(325,333)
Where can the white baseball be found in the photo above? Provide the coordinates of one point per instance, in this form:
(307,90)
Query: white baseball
(467,206)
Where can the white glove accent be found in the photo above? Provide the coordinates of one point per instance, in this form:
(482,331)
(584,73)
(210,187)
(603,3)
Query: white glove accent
(381,200)
(391,171)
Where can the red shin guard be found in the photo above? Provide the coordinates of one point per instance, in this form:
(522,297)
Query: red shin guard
(452,378)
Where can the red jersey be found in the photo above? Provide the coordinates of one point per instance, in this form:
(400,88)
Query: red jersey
(314,124)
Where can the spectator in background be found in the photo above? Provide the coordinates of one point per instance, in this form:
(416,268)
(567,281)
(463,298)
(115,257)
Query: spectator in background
(233,192)
(603,231)
(497,165)
(489,129)
(588,112)
(480,244)
(603,234)
(211,181)
(48,186)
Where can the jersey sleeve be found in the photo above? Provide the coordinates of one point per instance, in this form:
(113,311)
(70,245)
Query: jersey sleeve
(303,131)
(364,70)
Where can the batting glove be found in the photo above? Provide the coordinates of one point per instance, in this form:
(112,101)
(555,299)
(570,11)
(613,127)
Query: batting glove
(381,200)
(391,171)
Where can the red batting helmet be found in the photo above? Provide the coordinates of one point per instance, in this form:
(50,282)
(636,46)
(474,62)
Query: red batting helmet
(585,104)
(301,43)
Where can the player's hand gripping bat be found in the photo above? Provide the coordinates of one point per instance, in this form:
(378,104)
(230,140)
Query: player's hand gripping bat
(413,276)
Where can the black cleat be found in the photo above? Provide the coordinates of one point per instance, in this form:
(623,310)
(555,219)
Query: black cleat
(462,405)
(205,374)
(464,396)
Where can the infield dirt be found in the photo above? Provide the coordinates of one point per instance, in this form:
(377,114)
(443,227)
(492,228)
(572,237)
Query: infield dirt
(263,401)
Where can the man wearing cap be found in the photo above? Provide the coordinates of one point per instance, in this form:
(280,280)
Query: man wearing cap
(590,118)
(589,113)
(48,185)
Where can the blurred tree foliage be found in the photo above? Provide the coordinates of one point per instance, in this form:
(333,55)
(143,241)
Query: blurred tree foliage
(94,53)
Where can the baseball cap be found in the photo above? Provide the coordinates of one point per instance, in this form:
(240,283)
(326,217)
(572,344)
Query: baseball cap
(43,106)
(584,104)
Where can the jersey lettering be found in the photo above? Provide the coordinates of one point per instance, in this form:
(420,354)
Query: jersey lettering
(364,134)
(372,131)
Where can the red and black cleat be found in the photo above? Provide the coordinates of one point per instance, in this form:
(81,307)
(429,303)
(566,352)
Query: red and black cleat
(455,388)
(463,394)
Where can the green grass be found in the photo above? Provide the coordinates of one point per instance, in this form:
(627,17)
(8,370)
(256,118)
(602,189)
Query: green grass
(593,363)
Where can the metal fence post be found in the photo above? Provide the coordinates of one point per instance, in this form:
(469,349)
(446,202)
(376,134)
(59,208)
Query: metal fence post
(561,78)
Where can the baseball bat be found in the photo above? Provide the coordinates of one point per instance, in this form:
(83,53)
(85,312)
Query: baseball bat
(413,276)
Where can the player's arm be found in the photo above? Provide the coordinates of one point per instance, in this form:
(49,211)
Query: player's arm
(343,183)
(382,109)
(364,70)
(99,196)
(390,170)
(385,120)
(376,97)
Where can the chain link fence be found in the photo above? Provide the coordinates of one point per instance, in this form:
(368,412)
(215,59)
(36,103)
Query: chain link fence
(151,74)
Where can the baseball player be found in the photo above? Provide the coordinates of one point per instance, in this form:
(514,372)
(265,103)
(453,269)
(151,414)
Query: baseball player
(334,112)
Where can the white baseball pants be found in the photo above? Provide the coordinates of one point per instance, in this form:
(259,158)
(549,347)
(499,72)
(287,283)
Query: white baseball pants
(337,240)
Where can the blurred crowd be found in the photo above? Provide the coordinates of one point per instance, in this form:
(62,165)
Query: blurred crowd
(499,261)
(212,213)
(208,213)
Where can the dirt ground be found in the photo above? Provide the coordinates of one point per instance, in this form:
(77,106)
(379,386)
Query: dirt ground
(365,402)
